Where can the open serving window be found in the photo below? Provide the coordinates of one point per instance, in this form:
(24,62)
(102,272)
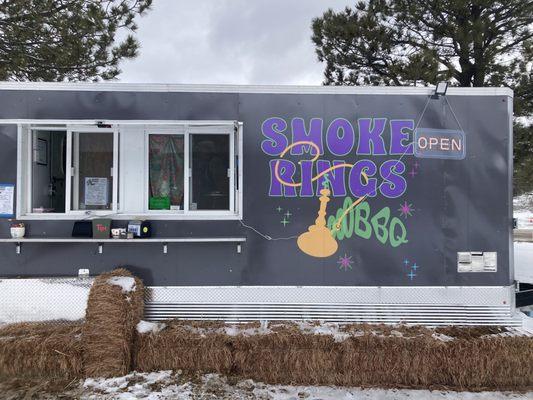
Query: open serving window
(188,170)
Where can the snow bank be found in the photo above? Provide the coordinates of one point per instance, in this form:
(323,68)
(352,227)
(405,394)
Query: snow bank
(523,210)
(127,283)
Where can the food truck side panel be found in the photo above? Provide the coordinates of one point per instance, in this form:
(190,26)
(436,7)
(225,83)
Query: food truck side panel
(407,230)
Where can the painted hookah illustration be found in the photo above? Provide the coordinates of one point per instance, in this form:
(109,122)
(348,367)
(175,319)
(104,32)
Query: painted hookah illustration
(318,241)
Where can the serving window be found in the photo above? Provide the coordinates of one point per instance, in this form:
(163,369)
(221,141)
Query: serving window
(166,163)
(209,162)
(174,171)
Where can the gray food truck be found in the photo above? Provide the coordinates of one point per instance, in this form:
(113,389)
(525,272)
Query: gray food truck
(372,204)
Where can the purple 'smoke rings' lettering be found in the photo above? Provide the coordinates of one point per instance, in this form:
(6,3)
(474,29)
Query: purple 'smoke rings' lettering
(440,143)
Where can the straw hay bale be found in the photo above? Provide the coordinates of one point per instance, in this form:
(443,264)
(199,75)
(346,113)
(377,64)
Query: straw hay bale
(109,330)
(359,355)
(51,350)
(190,347)
(287,356)
(485,363)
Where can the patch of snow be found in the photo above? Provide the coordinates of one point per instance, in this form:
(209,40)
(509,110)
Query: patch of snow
(524,202)
(168,385)
(524,219)
(527,323)
(152,386)
(523,262)
(150,327)
(325,328)
(441,337)
(127,283)
(525,120)
(233,330)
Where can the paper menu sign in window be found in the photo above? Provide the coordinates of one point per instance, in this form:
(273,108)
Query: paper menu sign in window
(7,194)
(96,191)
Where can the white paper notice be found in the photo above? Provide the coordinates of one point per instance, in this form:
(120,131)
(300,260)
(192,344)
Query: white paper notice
(7,194)
(96,191)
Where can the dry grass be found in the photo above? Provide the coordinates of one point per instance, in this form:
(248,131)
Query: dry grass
(51,350)
(110,323)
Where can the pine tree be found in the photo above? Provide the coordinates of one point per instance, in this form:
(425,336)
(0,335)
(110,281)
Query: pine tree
(66,40)
(421,42)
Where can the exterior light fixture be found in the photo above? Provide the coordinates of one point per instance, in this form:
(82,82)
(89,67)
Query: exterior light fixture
(441,88)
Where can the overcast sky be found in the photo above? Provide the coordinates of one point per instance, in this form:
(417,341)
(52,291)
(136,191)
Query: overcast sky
(228,41)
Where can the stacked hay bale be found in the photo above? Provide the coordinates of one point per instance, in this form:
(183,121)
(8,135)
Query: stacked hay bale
(39,350)
(114,308)
(190,346)
(475,359)
(288,356)
(354,355)
(113,341)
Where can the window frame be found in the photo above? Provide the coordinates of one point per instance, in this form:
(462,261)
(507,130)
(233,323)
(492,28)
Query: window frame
(158,130)
(24,171)
(73,171)
(187,131)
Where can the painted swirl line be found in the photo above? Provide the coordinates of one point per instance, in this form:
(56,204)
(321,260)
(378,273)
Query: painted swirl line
(318,176)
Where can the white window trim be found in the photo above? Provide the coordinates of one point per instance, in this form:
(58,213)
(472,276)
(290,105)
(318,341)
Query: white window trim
(188,130)
(167,130)
(73,171)
(233,128)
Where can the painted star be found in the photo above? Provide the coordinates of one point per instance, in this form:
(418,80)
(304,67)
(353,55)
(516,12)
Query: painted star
(345,262)
(406,210)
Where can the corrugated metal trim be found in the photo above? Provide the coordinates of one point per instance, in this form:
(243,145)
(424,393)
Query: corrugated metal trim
(429,315)
(43,299)
(430,306)
(281,89)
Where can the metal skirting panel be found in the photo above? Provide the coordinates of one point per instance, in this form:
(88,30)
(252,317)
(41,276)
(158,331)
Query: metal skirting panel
(43,299)
(413,305)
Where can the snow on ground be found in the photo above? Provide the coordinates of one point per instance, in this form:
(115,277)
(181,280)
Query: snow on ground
(524,219)
(525,120)
(523,262)
(127,283)
(168,385)
(523,210)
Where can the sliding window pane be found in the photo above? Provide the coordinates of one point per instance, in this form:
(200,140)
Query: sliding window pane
(166,163)
(48,171)
(210,178)
(93,165)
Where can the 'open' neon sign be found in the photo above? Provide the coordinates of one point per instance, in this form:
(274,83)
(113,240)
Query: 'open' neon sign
(439,143)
